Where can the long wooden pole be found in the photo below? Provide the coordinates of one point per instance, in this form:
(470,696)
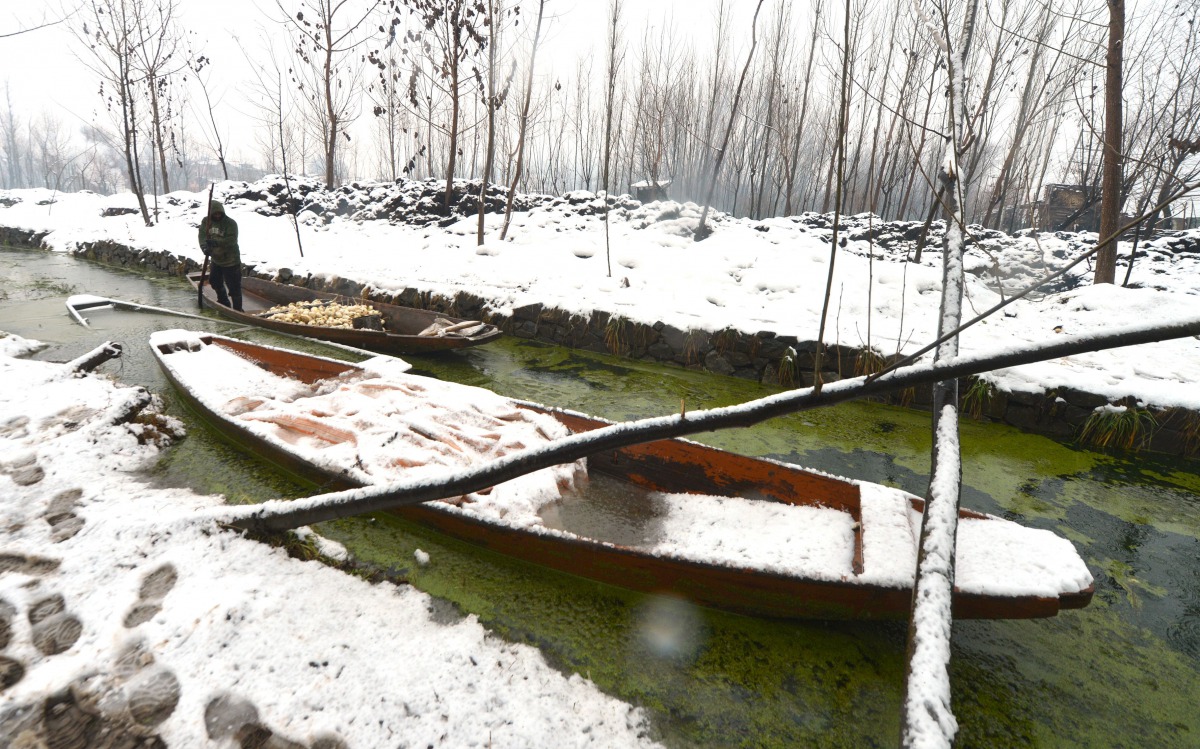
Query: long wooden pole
(204,267)
(927,715)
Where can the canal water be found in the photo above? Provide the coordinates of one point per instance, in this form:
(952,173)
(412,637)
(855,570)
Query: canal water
(1123,672)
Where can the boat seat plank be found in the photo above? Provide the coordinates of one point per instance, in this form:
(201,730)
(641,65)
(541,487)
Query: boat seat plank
(889,544)
(1016,560)
(813,541)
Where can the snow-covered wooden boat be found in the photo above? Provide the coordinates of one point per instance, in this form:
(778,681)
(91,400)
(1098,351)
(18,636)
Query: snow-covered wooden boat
(720,529)
(400,330)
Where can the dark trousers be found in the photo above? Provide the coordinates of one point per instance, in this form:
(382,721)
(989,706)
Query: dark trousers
(223,278)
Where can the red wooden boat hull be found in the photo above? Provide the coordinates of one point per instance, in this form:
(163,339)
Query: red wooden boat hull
(676,466)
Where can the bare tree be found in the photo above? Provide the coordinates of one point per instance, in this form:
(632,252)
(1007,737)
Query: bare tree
(493,99)
(702,230)
(326,34)
(388,97)
(1162,123)
(47,20)
(215,142)
(615,55)
(10,127)
(458,30)
(270,98)
(1036,98)
(586,161)
(156,60)
(839,186)
(793,134)
(51,147)
(523,122)
(109,31)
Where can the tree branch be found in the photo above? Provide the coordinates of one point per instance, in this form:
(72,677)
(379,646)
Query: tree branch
(277,515)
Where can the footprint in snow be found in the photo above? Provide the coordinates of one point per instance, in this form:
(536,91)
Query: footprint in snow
(121,707)
(60,515)
(155,587)
(11,670)
(228,717)
(26,564)
(53,628)
(24,470)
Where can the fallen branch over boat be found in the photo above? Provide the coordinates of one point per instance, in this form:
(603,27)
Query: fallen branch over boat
(278,515)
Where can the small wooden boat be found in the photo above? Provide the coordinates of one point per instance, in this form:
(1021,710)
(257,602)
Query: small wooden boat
(723,530)
(398,330)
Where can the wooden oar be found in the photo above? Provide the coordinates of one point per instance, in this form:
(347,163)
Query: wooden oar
(204,268)
(80,302)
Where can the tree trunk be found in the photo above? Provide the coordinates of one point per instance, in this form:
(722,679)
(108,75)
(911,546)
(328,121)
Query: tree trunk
(451,162)
(928,718)
(840,180)
(491,102)
(799,134)
(97,356)
(330,114)
(159,146)
(129,122)
(1110,203)
(614,27)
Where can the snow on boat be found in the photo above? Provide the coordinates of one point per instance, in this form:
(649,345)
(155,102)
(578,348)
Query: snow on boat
(723,530)
(399,330)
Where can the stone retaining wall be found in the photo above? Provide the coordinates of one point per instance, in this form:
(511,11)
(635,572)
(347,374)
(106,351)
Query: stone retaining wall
(1066,415)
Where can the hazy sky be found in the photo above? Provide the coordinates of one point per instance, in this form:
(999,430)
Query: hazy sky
(43,71)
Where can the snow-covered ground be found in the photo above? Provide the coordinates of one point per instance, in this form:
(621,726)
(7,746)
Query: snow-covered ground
(750,275)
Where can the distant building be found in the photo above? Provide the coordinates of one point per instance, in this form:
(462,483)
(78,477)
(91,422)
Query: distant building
(1062,208)
(648,191)
(1068,207)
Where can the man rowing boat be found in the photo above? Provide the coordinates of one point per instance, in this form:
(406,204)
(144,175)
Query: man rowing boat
(219,240)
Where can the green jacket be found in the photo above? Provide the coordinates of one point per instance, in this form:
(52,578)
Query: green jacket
(224,234)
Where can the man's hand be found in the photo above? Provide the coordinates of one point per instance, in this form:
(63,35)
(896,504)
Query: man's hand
(209,246)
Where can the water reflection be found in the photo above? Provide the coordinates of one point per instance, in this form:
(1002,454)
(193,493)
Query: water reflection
(608,510)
